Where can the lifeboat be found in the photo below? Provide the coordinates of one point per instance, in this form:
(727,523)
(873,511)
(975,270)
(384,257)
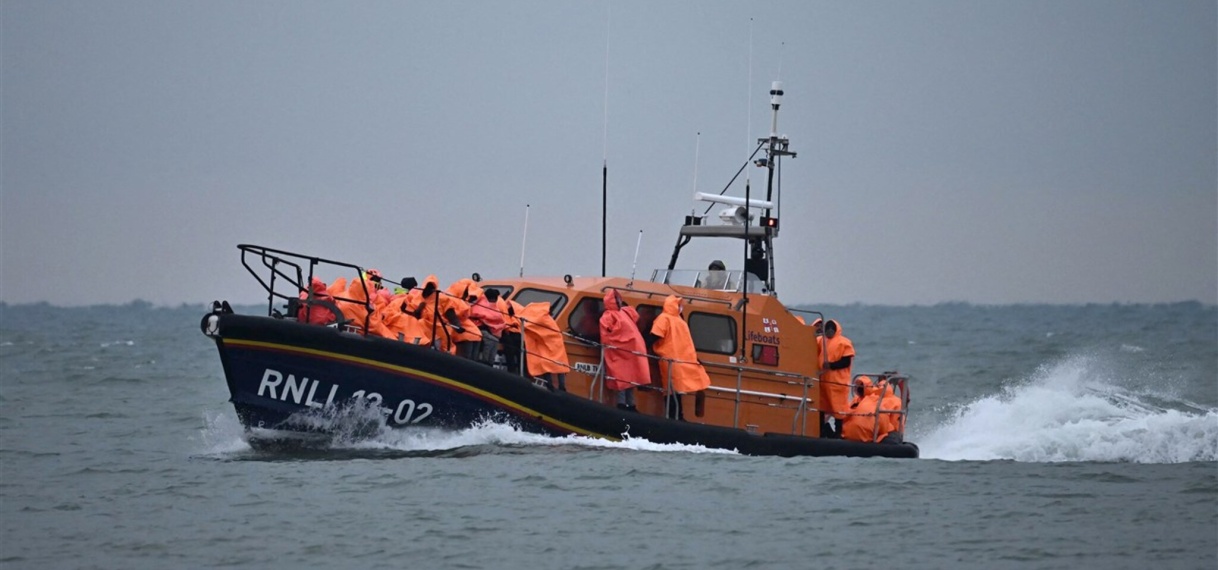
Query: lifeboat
(290,377)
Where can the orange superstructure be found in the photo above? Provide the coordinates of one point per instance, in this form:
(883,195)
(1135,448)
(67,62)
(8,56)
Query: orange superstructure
(762,361)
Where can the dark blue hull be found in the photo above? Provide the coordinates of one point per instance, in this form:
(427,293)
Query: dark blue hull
(287,376)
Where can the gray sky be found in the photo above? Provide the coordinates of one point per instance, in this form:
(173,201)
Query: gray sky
(988,152)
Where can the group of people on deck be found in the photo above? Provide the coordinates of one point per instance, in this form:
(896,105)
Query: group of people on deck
(626,359)
(465,319)
(862,409)
(472,322)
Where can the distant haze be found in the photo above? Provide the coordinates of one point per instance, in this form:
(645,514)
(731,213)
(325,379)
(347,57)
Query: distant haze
(987,152)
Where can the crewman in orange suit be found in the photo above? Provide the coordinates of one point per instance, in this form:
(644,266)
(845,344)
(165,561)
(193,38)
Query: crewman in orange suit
(625,352)
(675,343)
(835,378)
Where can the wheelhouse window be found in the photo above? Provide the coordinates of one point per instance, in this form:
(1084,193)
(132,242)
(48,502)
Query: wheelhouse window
(647,317)
(713,333)
(556,300)
(505,291)
(585,318)
(765,354)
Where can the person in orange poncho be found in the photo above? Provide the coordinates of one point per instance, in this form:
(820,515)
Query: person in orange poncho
(437,320)
(625,352)
(310,311)
(835,378)
(485,313)
(511,334)
(468,338)
(363,300)
(398,314)
(867,421)
(891,407)
(544,347)
(674,342)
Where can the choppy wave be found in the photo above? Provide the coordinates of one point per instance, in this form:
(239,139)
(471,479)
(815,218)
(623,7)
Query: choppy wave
(1074,411)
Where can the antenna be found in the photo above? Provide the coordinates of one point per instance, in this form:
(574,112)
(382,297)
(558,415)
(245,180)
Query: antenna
(605,153)
(781,46)
(697,149)
(635,265)
(748,135)
(525,239)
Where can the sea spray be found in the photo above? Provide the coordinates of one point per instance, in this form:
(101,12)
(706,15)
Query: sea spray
(1073,411)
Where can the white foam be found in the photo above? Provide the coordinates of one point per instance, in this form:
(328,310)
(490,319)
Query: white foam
(491,432)
(1069,412)
(223,434)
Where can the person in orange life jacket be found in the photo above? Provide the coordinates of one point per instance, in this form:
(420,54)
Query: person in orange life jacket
(891,407)
(397,313)
(437,319)
(679,361)
(625,353)
(469,339)
(511,334)
(860,422)
(313,313)
(361,307)
(835,379)
(485,313)
(868,421)
(545,348)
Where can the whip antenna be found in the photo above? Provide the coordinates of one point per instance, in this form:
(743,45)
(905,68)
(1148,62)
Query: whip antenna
(748,135)
(524,239)
(697,148)
(636,258)
(605,152)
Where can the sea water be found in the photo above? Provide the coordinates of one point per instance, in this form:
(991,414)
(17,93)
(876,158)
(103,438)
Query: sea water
(1051,437)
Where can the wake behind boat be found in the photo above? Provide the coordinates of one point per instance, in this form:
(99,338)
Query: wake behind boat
(288,377)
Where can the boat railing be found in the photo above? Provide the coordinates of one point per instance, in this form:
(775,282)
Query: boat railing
(286,276)
(797,382)
(888,380)
(664,294)
(712,279)
(798,394)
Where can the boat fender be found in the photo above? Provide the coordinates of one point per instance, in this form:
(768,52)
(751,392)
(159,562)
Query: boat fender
(210,325)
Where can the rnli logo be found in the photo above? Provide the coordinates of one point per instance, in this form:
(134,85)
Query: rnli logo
(768,334)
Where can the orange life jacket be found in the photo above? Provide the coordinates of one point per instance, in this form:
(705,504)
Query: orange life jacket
(675,342)
(835,384)
(625,352)
(543,341)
